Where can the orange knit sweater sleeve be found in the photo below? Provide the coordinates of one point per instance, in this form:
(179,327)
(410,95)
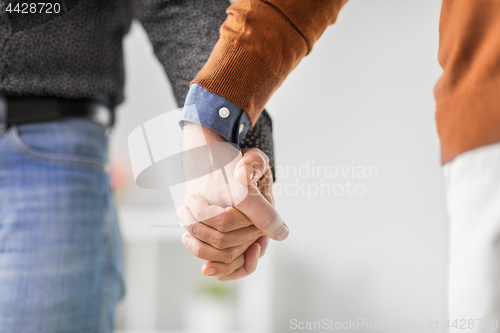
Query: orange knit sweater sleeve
(260,43)
(468,92)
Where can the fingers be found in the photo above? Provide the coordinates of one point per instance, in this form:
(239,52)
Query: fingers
(201,209)
(187,219)
(251,260)
(265,186)
(217,269)
(231,219)
(224,240)
(207,252)
(263,241)
(263,215)
(213,268)
(251,167)
(223,220)
(254,209)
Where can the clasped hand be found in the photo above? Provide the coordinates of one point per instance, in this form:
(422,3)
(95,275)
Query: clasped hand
(232,239)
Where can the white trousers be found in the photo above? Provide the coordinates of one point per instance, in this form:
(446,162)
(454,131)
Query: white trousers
(472,183)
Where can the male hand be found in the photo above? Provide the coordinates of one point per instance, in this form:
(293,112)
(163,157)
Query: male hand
(228,241)
(252,170)
(231,239)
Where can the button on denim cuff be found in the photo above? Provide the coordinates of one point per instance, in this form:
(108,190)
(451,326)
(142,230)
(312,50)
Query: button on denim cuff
(217,113)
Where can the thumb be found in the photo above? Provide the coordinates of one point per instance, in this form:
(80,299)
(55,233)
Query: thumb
(263,215)
(251,167)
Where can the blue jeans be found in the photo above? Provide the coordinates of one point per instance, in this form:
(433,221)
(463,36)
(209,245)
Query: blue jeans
(60,246)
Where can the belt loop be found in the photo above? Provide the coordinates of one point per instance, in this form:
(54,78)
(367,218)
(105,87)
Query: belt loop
(3,114)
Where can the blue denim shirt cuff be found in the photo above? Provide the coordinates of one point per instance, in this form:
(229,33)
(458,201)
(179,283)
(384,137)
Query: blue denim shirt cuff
(215,112)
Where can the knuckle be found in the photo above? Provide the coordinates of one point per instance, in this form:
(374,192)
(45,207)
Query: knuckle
(269,222)
(260,156)
(223,269)
(219,241)
(196,213)
(202,214)
(223,224)
(228,257)
(264,157)
(197,251)
(256,164)
(191,228)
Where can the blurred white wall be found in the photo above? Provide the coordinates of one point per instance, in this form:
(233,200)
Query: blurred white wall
(364,97)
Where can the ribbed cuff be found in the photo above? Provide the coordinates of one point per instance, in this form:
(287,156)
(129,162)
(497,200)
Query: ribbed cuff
(250,89)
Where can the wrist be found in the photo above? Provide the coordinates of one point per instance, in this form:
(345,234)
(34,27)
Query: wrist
(195,135)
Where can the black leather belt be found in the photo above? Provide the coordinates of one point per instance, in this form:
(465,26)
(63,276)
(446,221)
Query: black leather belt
(23,110)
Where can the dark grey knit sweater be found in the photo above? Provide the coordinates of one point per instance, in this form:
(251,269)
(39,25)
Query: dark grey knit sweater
(78,52)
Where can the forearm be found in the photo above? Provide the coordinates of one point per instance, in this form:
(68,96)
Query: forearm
(183,34)
(261,42)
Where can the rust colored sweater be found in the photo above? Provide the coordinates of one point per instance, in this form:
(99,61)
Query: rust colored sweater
(262,41)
